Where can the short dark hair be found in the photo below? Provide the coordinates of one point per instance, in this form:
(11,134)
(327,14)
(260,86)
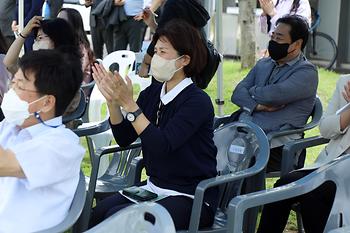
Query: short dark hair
(60,32)
(56,73)
(299,27)
(186,40)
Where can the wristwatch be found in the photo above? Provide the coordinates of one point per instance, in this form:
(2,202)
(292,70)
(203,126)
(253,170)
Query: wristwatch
(131,116)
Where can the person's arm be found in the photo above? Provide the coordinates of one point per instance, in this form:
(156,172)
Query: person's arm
(299,85)
(180,128)
(156,4)
(9,165)
(241,96)
(12,55)
(332,125)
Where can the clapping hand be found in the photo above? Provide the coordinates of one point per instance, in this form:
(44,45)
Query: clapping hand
(112,86)
(268,7)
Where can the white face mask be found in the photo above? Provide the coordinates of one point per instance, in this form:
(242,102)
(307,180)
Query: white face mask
(15,110)
(41,44)
(162,69)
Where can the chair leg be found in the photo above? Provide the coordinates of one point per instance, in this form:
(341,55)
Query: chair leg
(296,208)
(300,223)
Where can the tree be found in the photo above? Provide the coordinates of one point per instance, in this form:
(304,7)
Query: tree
(247,25)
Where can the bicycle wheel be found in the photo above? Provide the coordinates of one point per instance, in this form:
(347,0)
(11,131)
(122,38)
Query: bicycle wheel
(321,50)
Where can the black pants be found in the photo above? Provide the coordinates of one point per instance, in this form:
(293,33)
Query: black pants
(275,159)
(129,32)
(100,36)
(179,207)
(314,207)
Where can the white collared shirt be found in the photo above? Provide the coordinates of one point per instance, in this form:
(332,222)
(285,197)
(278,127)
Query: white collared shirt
(50,159)
(283,8)
(170,95)
(134,7)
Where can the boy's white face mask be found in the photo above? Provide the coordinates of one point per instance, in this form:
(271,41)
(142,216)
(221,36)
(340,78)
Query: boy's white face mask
(15,110)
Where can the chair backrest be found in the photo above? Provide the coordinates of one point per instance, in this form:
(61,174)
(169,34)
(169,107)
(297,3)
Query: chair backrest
(144,217)
(238,148)
(124,58)
(336,171)
(74,210)
(79,111)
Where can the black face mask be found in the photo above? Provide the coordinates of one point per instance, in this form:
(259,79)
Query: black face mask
(278,51)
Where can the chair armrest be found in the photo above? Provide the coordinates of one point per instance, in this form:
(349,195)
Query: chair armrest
(212,182)
(297,145)
(116,148)
(87,129)
(239,204)
(291,148)
(218,120)
(136,166)
(276,134)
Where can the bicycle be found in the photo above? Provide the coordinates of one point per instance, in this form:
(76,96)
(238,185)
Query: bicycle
(321,49)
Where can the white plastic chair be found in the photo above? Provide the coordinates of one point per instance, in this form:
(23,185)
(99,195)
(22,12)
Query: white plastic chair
(125,60)
(132,219)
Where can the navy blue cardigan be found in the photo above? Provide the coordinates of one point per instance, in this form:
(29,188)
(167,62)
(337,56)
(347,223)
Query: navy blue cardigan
(180,152)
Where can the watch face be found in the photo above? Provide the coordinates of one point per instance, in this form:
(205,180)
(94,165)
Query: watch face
(130,117)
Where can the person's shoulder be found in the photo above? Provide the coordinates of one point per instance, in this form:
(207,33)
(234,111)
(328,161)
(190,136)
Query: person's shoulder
(194,93)
(305,63)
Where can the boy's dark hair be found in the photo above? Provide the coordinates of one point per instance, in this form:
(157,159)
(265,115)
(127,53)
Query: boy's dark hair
(299,27)
(56,73)
(186,40)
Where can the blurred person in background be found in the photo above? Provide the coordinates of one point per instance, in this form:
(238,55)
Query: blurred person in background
(74,18)
(7,10)
(31,8)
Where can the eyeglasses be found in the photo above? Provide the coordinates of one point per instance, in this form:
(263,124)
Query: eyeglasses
(18,85)
(40,37)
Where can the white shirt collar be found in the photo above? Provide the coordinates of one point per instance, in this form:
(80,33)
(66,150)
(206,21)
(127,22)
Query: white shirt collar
(40,127)
(168,97)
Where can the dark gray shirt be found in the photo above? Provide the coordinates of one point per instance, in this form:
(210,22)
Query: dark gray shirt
(292,85)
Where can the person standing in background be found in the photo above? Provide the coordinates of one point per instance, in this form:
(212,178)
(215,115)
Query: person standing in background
(275,9)
(97,30)
(130,32)
(31,9)
(55,6)
(7,8)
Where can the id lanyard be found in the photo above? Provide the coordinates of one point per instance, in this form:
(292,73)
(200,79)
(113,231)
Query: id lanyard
(37,116)
(159,112)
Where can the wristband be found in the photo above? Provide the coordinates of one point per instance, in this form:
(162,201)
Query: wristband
(24,37)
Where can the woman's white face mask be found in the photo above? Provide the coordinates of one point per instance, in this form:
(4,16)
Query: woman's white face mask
(162,69)
(41,44)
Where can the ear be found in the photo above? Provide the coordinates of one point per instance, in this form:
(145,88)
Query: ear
(298,43)
(185,60)
(49,104)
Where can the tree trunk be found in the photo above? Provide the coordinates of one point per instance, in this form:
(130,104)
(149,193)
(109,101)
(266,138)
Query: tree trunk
(247,25)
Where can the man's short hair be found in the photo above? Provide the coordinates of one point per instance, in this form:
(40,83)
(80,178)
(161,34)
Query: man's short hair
(56,73)
(299,27)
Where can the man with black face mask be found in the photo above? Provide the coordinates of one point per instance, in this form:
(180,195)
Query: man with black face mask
(279,92)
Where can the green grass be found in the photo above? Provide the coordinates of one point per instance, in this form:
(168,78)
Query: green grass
(232,76)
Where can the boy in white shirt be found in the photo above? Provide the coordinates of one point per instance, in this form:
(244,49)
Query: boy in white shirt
(39,158)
